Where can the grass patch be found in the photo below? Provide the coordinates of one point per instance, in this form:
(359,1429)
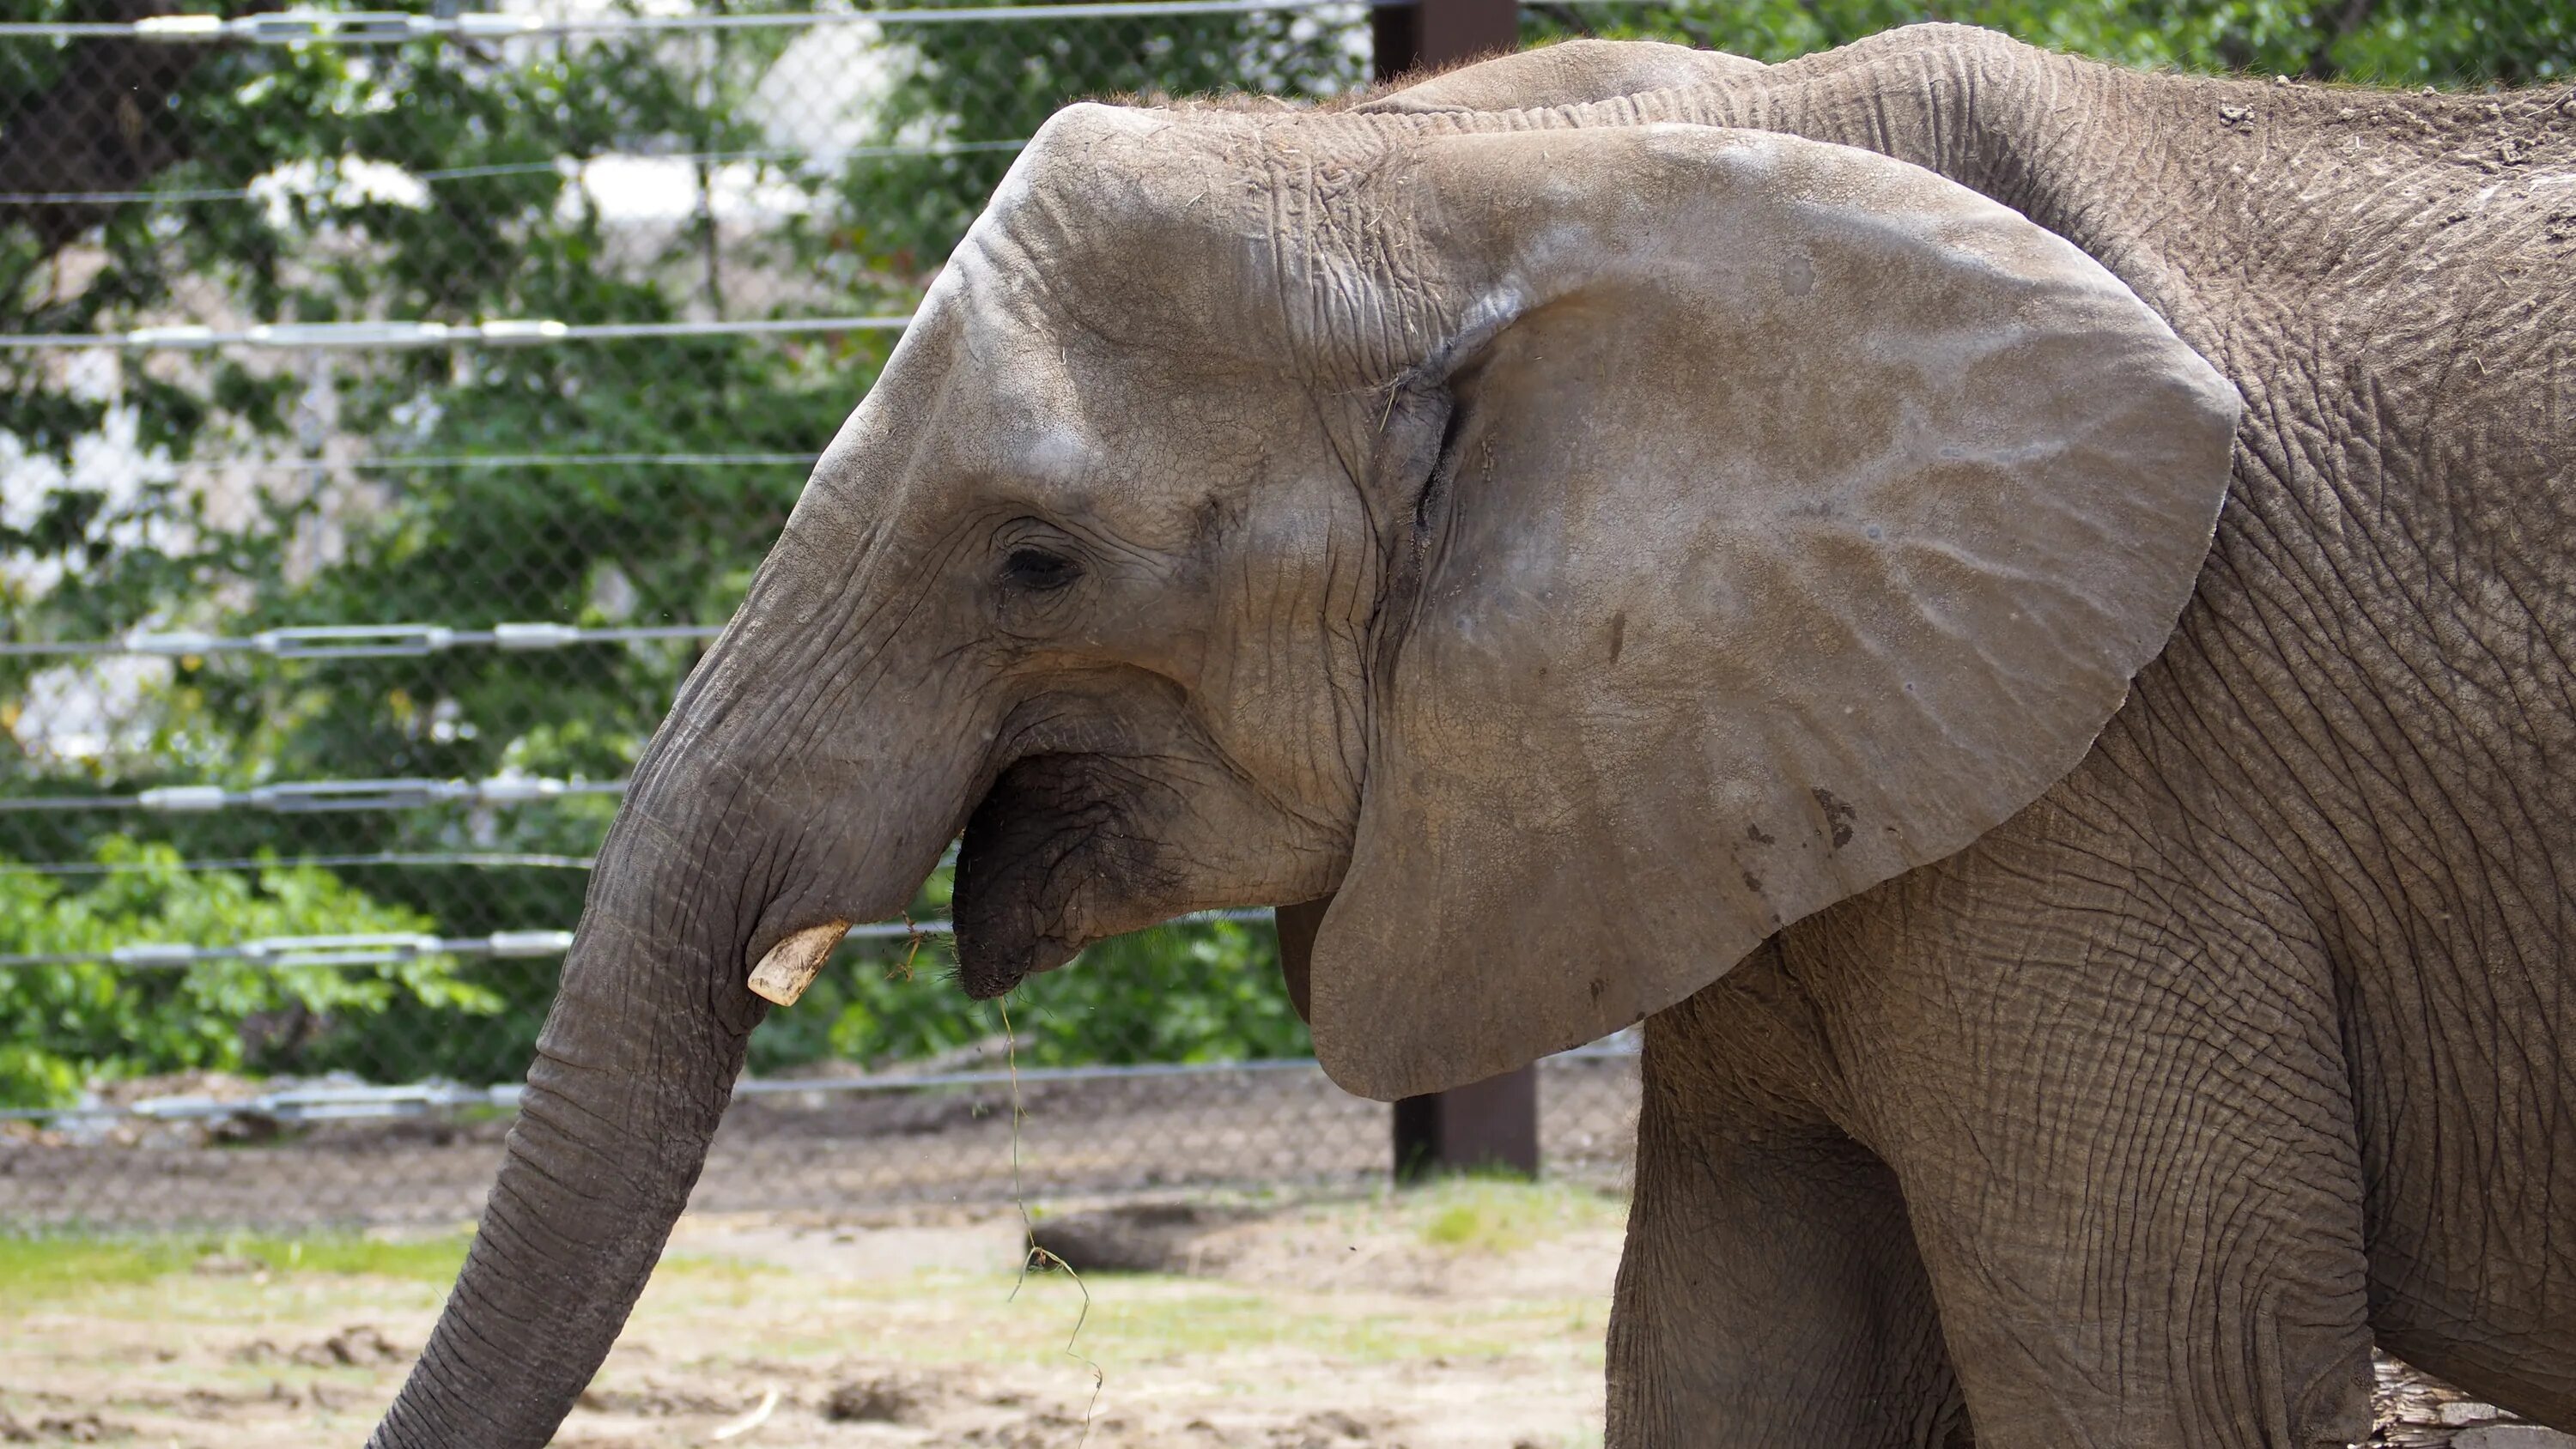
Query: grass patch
(1502,1215)
(55,1267)
(1145,1319)
(1196,1324)
(41,1268)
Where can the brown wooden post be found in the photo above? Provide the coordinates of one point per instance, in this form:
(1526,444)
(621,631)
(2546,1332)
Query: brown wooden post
(1440,32)
(1490,1125)
(1487,1126)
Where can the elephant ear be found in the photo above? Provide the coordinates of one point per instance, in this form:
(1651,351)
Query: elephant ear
(1797,517)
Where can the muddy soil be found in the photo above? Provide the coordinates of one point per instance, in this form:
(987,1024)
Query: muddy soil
(1465,1317)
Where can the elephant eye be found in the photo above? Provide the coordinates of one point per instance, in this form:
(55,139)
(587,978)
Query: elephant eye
(1037,570)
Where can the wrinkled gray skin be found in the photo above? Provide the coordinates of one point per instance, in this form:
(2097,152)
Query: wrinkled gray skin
(2133,1122)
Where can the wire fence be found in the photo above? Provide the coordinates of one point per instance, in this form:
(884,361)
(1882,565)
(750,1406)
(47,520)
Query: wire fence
(395,404)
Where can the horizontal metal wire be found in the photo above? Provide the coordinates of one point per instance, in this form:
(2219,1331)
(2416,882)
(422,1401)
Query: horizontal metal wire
(559,460)
(345,1103)
(309,797)
(1608,1048)
(166,470)
(170,470)
(284,951)
(901,1081)
(381,950)
(507,332)
(822,154)
(406,860)
(899,930)
(294,1104)
(369,27)
(567,166)
(361,641)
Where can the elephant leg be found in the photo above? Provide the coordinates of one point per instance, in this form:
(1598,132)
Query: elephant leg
(2116,1098)
(1770,1293)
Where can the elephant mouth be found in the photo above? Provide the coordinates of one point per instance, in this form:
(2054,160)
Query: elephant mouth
(1048,853)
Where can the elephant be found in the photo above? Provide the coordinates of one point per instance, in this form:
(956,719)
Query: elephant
(2014,612)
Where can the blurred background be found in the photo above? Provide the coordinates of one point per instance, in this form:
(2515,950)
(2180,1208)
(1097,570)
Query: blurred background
(391,408)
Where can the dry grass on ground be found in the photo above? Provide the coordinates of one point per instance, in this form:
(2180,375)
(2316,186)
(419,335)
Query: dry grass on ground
(1468,1316)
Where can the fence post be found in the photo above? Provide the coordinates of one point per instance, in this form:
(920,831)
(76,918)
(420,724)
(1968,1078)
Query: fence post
(1438,32)
(1487,1126)
(1492,1124)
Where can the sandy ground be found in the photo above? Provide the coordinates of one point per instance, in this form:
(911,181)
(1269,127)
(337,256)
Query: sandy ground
(1467,1315)
(1329,1325)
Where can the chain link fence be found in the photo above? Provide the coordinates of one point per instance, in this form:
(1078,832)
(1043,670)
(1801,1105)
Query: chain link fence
(395,406)
(391,407)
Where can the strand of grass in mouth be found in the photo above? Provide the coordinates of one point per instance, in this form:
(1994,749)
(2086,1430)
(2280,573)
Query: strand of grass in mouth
(1039,1257)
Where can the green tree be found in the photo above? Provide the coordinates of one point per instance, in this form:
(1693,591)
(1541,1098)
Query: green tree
(433,181)
(62,1023)
(981,82)
(440,181)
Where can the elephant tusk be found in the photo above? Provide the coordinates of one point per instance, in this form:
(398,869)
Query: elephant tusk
(791,965)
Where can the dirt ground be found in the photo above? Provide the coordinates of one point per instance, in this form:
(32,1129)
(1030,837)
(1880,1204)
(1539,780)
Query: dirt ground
(1468,1316)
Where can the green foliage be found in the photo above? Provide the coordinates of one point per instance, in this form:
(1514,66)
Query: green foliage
(1175,994)
(61,1024)
(1001,81)
(2389,42)
(515,235)
(1492,1215)
(495,223)
(1196,993)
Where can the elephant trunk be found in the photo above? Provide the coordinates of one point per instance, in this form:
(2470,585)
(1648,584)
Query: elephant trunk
(632,1074)
(771,801)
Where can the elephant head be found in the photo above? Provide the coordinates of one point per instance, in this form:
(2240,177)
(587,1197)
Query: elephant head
(1559,556)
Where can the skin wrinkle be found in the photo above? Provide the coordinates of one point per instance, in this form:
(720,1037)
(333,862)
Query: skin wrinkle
(2243,865)
(2498,771)
(2430,691)
(2348,760)
(2282,645)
